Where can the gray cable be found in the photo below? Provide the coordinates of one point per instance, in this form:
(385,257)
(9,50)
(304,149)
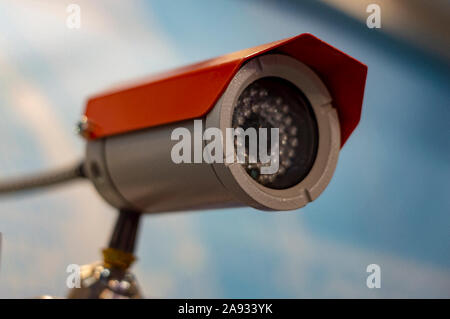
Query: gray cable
(42,180)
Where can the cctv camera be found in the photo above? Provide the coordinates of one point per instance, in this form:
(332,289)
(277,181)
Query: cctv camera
(307,92)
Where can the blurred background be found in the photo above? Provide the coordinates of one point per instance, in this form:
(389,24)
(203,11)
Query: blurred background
(387,204)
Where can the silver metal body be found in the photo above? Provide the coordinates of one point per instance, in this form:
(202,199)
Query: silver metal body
(135,170)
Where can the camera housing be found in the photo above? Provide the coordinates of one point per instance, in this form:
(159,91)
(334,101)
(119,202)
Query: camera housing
(128,130)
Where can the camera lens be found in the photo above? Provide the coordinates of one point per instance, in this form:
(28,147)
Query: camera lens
(272,102)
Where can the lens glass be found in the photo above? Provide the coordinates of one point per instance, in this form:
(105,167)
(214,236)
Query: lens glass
(272,102)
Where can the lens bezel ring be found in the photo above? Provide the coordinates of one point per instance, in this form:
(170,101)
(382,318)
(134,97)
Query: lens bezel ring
(235,178)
